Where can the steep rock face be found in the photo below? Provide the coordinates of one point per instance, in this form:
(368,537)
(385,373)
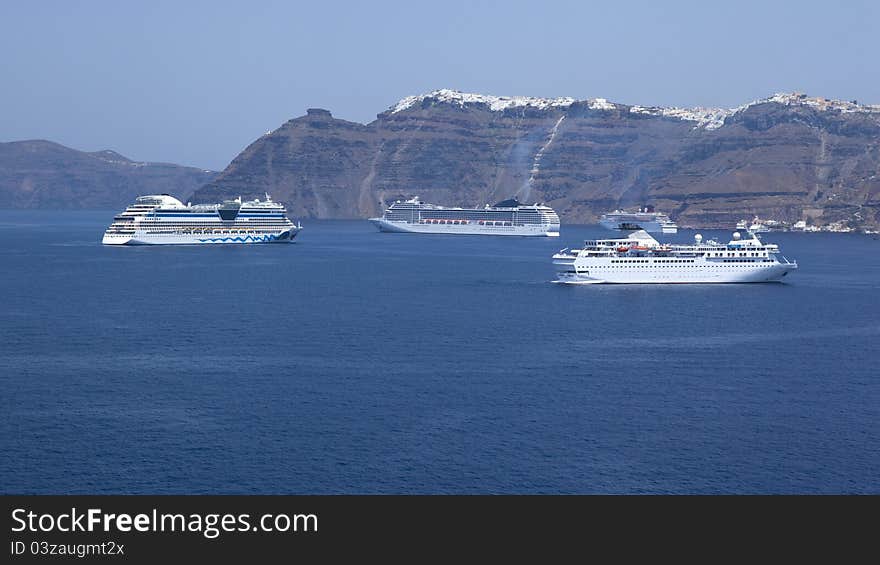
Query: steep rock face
(314,163)
(787,157)
(788,162)
(42,174)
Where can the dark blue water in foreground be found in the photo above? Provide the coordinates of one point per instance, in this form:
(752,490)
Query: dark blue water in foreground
(360,362)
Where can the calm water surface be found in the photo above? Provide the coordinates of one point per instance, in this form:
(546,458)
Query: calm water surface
(359,362)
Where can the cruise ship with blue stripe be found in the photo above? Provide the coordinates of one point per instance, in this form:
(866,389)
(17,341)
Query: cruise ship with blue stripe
(161,219)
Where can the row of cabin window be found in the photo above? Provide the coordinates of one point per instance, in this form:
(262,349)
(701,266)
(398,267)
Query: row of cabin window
(654,260)
(695,266)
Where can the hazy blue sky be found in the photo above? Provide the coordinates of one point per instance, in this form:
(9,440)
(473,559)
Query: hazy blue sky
(196,82)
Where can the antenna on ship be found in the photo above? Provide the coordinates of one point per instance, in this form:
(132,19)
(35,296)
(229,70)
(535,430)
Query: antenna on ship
(268,198)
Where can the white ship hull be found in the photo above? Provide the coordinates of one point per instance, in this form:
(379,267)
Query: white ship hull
(199,238)
(470,228)
(596,273)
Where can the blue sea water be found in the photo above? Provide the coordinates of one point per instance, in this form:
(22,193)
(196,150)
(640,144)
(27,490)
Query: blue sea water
(359,362)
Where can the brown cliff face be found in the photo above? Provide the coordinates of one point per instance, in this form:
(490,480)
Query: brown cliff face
(316,164)
(788,157)
(790,163)
(42,174)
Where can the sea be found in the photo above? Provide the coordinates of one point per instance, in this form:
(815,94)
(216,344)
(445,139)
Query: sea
(358,362)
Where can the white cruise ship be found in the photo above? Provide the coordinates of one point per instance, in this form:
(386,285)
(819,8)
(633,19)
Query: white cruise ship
(505,218)
(640,258)
(643,219)
(757,226)
(160,219)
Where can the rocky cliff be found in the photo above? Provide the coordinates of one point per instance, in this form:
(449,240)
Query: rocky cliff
(42,174)
(787,157)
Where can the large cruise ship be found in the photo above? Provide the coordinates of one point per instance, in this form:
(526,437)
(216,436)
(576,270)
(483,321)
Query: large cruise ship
(505,218)
(160,219)
(640,258)
(643,219)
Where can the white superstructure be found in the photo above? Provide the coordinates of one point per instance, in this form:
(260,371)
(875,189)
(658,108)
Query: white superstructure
(505,218)
(640,258)
(160,219)
(756,226)
(643,219)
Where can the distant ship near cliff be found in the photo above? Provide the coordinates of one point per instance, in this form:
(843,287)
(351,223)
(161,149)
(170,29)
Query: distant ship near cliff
(509,217)
(642,219)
